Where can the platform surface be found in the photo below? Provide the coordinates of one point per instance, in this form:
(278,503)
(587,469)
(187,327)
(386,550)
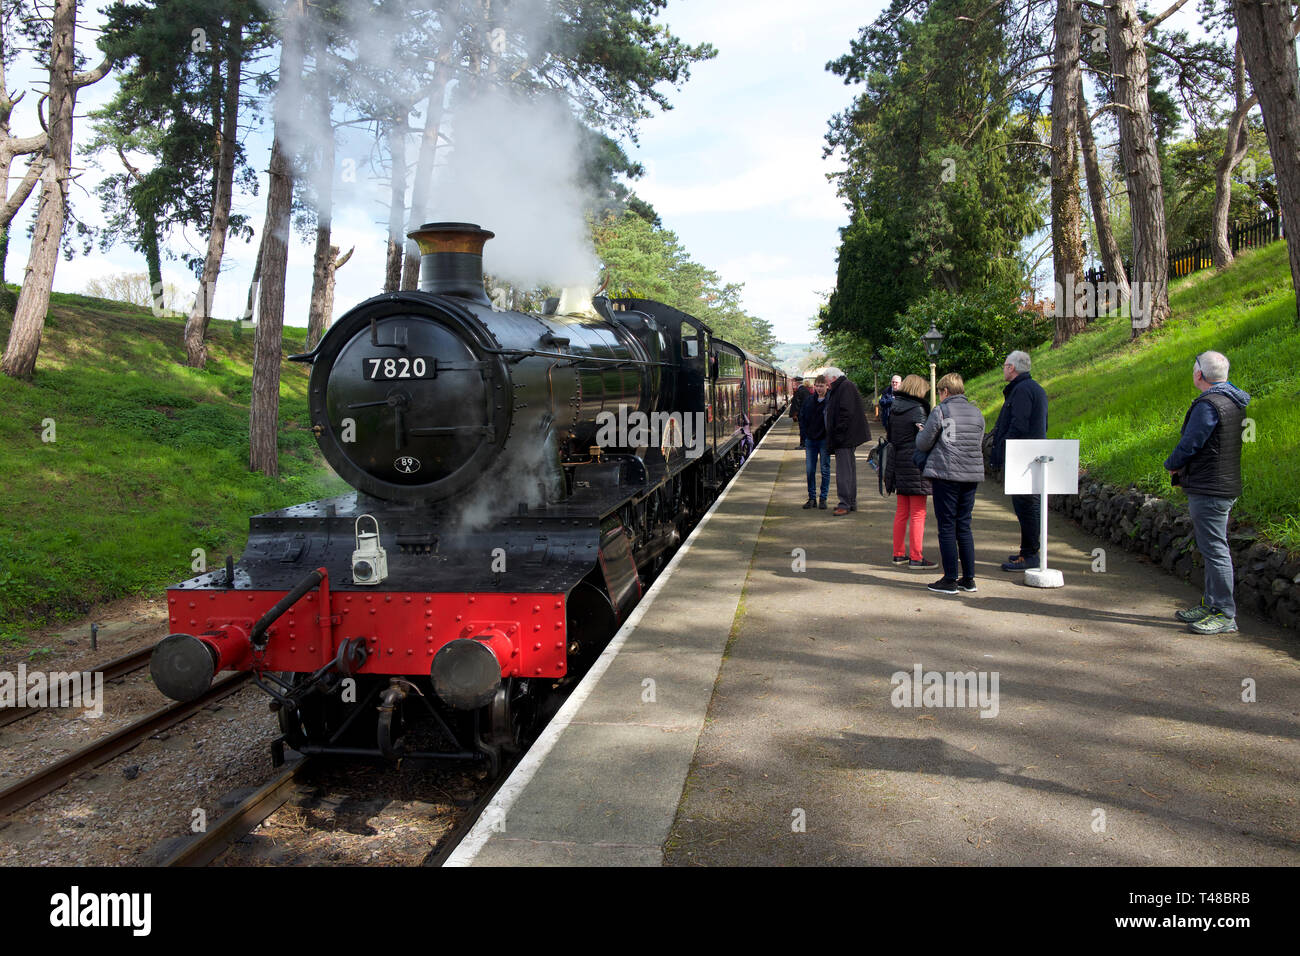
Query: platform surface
(749,715)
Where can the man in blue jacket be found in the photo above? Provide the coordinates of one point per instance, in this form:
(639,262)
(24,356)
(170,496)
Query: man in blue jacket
(1207,466)
(1023,415)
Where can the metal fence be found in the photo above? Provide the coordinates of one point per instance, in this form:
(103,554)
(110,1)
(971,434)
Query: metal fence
(1197,255)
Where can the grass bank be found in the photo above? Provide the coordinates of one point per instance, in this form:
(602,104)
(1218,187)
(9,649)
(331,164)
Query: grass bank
(148,462)
(1125,400)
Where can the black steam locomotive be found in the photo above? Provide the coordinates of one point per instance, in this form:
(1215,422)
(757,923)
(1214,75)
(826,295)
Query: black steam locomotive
(520,478)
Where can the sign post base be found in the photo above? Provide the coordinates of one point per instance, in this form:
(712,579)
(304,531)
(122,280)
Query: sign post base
(1044,578)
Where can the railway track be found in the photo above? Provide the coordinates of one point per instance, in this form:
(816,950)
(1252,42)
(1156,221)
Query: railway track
(242,820)
(112,670)
(50,778)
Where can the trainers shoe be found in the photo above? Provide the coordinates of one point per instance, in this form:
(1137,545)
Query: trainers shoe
(966,584)
(1021,563)
(900,559)
(839,512)
(810,503)
(944,586)
(1014,557)
(1193,614)
(822,504)
(1215,623)
(922,565)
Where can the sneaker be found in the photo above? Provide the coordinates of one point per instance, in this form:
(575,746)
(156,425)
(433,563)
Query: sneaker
(1215,623)
(900,559)
(822,504)
(944,586)
(840,512)
(1021,563)
(1015,557)
(966,584)
(810,503)
(922,565)
(1193,614)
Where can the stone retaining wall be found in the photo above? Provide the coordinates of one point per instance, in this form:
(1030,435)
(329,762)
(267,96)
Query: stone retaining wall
(1268,578)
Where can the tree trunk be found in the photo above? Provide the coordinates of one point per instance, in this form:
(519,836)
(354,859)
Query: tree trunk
(1267,36)
(268,341)
(396,207)
(15,202)
(1067,212)
(333,263)
(153,261)
(319,312)
(250,310)
(34,300)
(196,326)
(1125,40)
(422,187)
(1111,259)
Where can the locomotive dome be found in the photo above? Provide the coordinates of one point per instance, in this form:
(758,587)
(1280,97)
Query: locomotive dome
(409,396)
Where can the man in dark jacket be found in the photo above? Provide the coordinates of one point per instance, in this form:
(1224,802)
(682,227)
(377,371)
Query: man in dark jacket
(846,427)
(1023,415)
(886,401)
(812,419)
(801,395)
(1207,466)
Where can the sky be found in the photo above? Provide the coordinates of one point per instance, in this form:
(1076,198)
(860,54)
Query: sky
(735,169)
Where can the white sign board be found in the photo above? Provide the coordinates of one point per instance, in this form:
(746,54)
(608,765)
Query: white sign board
(1022,474)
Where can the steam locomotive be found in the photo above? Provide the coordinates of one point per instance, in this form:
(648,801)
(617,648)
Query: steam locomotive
(519,477)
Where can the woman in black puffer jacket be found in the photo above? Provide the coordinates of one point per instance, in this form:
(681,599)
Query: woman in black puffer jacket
(905,420)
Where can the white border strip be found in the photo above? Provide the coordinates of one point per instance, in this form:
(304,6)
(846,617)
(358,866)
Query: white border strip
(522,775)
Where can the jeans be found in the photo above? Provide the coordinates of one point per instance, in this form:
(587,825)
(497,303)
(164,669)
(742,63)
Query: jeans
(953,503)
(1028,509)
(1210,522)
(846,477)
(909,520)
(814,447)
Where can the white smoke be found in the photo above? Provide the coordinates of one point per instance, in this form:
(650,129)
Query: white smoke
(514,169)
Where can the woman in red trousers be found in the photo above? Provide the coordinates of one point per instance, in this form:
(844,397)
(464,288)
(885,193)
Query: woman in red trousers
(909,413)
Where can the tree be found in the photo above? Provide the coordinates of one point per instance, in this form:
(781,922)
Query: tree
(1267,33)
(942,162)
(227,155)
(12,146)
(645,261)
(1067,212)
(1126,41)
(1111,260)
(33,301)
(268,342)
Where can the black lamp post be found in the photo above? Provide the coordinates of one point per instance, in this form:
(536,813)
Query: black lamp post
(932,340)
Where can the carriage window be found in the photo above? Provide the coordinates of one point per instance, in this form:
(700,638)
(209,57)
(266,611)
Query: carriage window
(690,346)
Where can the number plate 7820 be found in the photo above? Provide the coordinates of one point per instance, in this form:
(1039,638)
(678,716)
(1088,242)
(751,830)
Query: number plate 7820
(402,366)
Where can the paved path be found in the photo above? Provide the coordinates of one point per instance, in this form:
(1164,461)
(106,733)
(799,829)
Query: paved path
(1108,711)
(770,736)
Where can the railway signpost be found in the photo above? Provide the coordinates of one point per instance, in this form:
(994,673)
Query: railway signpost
(1042,466)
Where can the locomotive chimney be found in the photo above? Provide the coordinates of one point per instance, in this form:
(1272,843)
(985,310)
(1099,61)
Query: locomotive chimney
(451,259)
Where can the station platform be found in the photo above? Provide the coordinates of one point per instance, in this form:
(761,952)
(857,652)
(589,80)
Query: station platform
(750,710)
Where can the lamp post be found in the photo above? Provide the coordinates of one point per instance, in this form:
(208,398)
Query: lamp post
(932,340)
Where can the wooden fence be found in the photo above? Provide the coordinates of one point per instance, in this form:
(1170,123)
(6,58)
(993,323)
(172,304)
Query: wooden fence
(1196,255)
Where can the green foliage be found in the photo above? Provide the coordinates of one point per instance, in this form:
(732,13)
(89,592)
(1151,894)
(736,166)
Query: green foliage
(150,460)
(647,261)
(1125,400)
(979,328)
(941,189)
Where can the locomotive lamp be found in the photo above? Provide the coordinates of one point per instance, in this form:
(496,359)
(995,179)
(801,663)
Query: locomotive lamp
(932,340)
(369,560)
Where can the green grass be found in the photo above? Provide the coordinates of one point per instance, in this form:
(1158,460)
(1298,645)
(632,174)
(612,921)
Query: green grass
(149,462)
(1125,400)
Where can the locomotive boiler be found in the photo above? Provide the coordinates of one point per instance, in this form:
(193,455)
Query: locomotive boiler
(504,519)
